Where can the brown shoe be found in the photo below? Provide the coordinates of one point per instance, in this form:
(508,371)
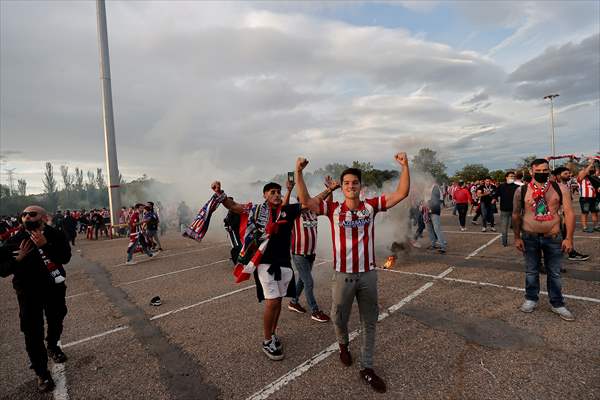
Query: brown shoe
(296,307)
(345,356)
(369,377)
(320,316)
(45,383)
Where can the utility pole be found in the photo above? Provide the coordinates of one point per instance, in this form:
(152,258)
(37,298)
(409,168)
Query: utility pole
(110,147)
(551,98)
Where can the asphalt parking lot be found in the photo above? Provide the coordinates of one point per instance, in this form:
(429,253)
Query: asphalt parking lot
(449,328)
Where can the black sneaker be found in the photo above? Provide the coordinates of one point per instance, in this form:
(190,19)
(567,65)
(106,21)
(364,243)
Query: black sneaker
(576,256)
(277,341)
(369,377)
(271,350)
(45,382)
(56,354)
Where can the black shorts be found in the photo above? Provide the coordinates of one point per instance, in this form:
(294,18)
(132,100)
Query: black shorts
(588,205)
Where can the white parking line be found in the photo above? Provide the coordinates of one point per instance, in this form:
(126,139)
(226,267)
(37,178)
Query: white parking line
(479,283)
(160,257)
(282,381)
(121,328)
(60,391)
(510,233)
(151,277)
(473,254)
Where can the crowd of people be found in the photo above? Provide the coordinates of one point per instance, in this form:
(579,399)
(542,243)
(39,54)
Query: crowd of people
(276,239)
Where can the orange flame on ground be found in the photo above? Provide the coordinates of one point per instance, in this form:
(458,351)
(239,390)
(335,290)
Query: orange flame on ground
(390,262)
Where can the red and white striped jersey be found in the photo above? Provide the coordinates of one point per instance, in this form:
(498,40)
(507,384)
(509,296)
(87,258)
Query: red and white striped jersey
(353,233)
(585,188)
(304,234)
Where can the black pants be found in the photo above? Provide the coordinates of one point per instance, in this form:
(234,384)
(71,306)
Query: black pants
(32,308)
(462,213)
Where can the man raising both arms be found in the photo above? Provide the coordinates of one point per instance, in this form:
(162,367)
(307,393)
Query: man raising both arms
(353,229)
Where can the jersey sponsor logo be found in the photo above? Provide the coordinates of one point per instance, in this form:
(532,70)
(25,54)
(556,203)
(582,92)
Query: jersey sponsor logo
(356,223)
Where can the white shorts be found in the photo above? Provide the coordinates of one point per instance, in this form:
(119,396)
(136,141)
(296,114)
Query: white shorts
(273,289)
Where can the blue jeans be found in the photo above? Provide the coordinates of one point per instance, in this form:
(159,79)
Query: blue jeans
(487,214)
(304,266)
(550,246)
(434,228)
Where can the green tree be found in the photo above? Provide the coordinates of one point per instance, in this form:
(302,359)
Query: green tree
(22,187)
(426,160)
(498,175)
(50,186)
(472,172)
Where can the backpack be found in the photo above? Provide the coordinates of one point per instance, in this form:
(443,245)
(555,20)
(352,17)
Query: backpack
(554,186)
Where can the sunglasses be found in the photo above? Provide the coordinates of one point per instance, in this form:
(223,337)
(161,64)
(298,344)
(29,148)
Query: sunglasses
(32,214)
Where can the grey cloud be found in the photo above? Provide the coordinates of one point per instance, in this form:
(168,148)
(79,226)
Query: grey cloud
(571,70)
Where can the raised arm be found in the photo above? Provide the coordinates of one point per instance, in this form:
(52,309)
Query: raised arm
(228,203)
(585,172)
(401,192)
(305,199)
(289,186)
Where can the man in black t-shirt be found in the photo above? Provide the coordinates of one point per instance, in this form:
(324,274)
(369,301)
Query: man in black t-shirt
(274,275)
(487,196)
(506,194)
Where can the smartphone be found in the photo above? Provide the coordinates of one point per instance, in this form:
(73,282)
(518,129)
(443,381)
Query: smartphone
(291,177)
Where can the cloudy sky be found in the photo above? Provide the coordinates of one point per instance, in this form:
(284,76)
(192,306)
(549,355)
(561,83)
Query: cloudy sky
(237,90)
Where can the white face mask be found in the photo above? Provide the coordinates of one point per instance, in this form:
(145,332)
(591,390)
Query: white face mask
(510,181)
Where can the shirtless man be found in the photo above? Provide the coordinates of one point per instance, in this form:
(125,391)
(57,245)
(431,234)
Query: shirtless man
(536,227)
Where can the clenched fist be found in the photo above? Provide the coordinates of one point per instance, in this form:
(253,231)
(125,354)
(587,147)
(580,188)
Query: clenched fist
(216,186)
(402,159)
(301,163)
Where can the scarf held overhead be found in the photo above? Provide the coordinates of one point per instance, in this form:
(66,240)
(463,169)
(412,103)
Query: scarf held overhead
(197,230)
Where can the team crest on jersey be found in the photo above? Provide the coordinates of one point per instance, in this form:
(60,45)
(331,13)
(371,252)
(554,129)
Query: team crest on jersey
(283,214)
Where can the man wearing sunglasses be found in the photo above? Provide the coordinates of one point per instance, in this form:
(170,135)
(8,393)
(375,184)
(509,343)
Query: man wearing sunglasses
(35,256)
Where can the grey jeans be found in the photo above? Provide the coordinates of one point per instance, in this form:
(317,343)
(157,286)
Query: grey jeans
(434,227)
(506,220)
(344,288)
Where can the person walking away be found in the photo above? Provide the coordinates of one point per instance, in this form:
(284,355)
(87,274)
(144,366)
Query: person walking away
(434,226)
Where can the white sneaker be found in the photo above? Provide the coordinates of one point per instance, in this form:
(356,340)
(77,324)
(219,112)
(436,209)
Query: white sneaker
(493,229)
(564,313)
(463,229)
(483,230)
(528,306)
(130,262)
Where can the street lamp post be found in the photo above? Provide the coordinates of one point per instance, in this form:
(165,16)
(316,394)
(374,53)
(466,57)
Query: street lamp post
(110,146)
(551,98)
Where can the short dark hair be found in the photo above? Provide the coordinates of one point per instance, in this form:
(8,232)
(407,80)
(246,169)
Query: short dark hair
(271,185)
(559,170)
(150,203)
(351,171)
(508,173)
(538,161)
(519,175)
(137,205)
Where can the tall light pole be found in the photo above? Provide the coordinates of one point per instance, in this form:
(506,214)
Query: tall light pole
(110,147)
(551,98)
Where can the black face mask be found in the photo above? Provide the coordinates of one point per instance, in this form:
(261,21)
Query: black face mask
(32,225)
(541,177)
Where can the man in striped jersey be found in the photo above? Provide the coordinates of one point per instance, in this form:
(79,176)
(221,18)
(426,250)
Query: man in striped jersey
(353,228)
(587,198)
(304,243)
